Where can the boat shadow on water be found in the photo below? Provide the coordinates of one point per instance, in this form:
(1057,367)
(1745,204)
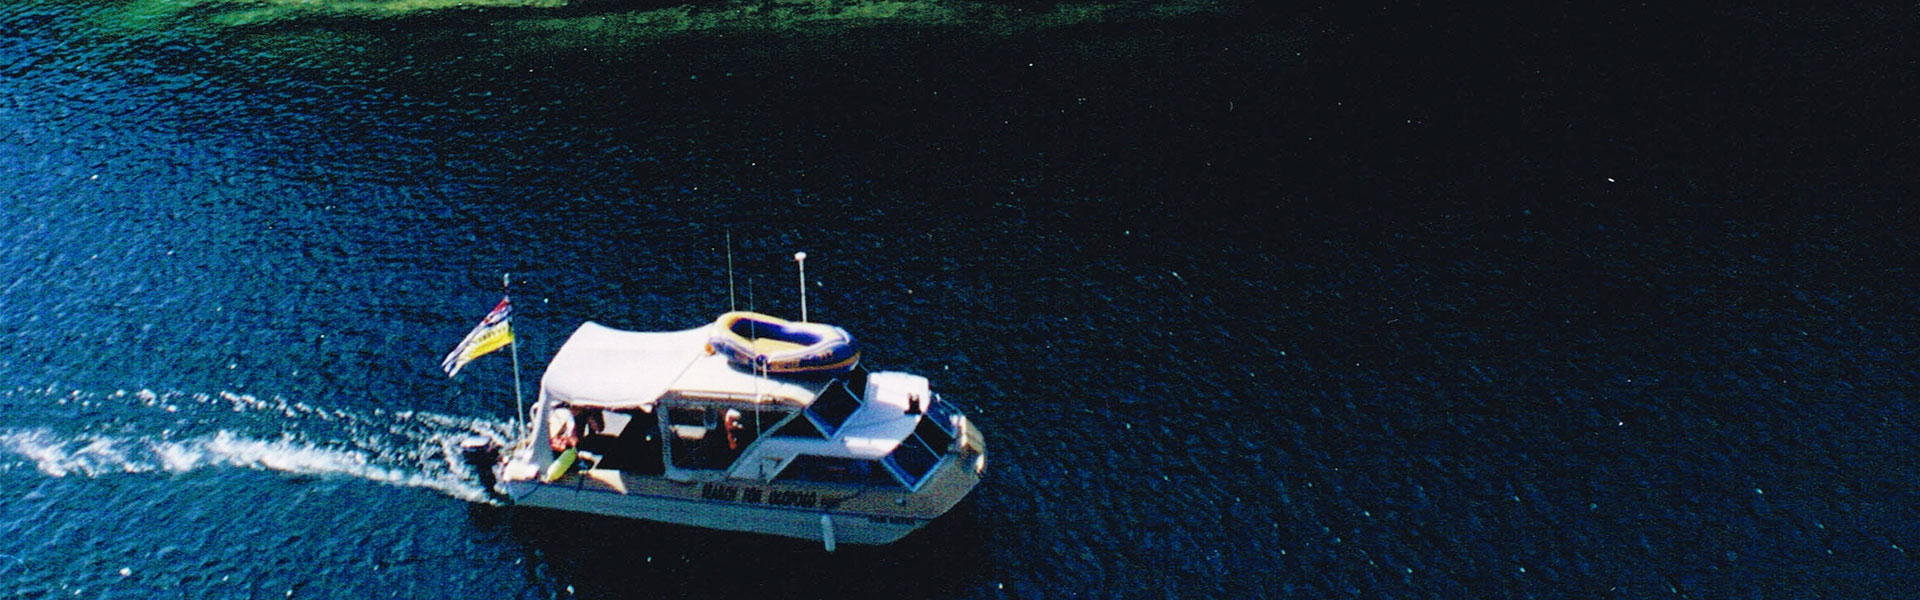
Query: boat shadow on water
(607,557)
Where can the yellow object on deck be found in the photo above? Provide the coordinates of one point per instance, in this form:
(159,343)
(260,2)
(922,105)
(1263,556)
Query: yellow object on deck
(560,465)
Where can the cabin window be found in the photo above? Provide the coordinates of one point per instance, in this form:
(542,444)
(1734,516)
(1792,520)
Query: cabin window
(764,419)
(856,380)
(687,445)
(636,450)
(913,460)
(698,437)
(687,415)
(921,451)
(833,469)
(800,428)
(831,409)
(936,437)
(942,414)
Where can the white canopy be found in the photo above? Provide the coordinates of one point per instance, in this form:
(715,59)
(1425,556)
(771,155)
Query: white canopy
(607,368)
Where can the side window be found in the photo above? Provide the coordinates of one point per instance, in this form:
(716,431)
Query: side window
(830,469)
(800,427)
(687,415)
(686,433)
(709,436)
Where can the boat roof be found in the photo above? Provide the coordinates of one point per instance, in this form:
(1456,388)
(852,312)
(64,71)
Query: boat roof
(612,369)
(875,429)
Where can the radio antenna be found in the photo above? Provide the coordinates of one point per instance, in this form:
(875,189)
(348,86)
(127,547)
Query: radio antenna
(731,305)
(801,257)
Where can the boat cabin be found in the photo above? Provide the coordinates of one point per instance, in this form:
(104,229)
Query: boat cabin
(666,404)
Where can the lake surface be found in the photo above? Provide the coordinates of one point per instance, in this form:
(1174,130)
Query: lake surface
(1252,302)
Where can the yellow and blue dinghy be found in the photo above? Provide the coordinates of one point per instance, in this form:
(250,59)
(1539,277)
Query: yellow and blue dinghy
(756,341)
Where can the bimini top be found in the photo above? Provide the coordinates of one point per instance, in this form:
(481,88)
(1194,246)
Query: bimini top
(603,367)
(606,368)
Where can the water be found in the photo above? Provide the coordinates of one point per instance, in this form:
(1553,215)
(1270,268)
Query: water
(1315,302)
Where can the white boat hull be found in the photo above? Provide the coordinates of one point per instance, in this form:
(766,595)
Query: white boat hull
(794,522)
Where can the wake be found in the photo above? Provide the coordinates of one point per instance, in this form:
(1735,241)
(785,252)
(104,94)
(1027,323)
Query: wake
(147,432)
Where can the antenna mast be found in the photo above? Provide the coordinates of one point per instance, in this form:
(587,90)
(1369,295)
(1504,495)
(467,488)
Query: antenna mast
(801,257)
(731,305)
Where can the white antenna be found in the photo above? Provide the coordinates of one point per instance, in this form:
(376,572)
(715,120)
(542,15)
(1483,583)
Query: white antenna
(731,305)
(801,257)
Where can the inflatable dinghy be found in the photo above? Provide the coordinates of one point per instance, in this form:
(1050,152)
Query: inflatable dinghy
(756,341)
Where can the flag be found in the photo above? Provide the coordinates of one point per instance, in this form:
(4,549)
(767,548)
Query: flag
(493,332)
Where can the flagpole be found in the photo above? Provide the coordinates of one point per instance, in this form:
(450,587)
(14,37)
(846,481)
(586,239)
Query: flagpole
(519,405)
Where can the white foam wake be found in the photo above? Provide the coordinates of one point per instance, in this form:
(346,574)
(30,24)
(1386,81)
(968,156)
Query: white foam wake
(95,456)
(152,432)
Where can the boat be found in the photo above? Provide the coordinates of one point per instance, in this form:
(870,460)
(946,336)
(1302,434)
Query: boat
(675,427)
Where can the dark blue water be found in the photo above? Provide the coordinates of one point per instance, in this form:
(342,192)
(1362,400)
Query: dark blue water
(1253,302)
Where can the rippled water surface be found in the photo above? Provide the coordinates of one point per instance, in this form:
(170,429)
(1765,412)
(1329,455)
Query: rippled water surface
(1252,302)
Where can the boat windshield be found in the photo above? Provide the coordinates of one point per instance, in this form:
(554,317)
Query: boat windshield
(934,433)
(856,380)
(920,452)
(831,409)
(942,414)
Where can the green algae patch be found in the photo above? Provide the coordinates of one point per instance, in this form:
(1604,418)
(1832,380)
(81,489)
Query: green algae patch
(730,16)
(279,11)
